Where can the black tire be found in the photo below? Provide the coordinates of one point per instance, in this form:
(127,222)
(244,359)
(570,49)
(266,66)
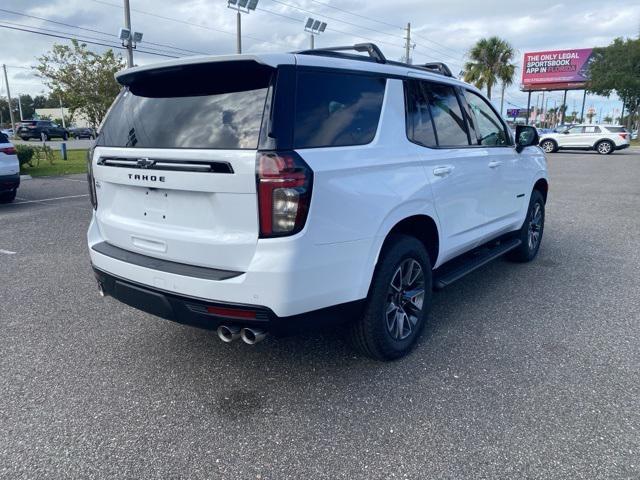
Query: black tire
(527,250)
(605,147)
(372,335)
(549,146)
(25,139)
(8,197)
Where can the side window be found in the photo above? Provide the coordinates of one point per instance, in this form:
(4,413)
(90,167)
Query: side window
(336,109)
(591,129)
(418,116)
(574,130)
(488,127)
(447,116)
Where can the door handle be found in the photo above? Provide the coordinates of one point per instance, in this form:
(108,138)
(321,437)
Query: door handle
(442,171)
(494,163)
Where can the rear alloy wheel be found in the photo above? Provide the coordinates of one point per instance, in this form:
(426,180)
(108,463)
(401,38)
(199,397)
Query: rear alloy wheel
(605,147)
(398,302)
(548,146)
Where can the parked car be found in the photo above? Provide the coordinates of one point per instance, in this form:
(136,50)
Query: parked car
(82,132)
(604,139)
(9,170)
(7,131)
(41,129)
(634,135)
(257,193)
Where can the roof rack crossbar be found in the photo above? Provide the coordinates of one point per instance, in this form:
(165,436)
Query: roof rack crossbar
(372,49)
(438,67)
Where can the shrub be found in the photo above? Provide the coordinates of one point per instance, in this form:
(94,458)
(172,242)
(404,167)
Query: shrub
(25,154)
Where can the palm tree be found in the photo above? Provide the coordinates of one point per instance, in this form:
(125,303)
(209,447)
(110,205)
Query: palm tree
(490,62)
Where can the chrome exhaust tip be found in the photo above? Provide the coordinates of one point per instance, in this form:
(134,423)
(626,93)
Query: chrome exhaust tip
(251,336)
(228,333)
(100,290)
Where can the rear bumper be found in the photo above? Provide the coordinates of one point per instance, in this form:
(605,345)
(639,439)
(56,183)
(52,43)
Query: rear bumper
(9,182)
(208,315)
(623,146)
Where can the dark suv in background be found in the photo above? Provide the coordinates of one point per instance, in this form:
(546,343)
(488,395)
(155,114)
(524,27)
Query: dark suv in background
(41,129)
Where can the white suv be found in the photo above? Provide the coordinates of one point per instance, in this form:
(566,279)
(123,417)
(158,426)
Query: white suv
(604,139)
(9,170)
(263,193)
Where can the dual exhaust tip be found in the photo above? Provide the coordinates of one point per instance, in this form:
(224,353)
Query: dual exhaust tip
(250,336)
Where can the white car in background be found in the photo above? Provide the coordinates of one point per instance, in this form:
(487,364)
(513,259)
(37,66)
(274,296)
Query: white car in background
(9,170)
(604,139)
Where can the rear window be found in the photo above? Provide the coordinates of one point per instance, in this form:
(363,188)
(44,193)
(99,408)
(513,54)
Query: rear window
(617,129)
(213,106)
(336,109)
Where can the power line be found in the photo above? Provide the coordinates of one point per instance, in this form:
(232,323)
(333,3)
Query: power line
(184,22)
(84,41)
(80,37)
(12,12)
(357,14)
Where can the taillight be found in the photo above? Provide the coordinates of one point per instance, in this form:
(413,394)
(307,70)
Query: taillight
(284,184)
(623,135)
(8,150)
(90,180)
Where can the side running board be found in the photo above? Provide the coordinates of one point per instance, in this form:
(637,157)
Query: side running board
(459,267)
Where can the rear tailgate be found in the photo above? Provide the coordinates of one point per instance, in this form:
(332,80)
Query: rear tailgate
(174,165)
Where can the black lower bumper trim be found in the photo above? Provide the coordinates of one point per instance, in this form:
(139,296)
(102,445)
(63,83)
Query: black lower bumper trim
(9,182)
(195,311)
(163,265)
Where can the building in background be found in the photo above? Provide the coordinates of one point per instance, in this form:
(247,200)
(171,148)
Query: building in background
(77,120)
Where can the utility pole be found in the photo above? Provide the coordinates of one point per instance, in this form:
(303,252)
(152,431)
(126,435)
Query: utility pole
(6,81)
(62,113)
(312,41)
(407,47)
(20,108)
(239,34)
(129,41)
(584,99)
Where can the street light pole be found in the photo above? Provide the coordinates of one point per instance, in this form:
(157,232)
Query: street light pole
(407,47)
(314,27)
(129,42)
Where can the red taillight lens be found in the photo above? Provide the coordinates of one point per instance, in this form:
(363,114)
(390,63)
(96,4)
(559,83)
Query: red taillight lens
(623,135)
(8,150)
(284,184)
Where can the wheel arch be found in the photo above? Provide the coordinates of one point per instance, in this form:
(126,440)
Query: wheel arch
(422,224)
(542,185)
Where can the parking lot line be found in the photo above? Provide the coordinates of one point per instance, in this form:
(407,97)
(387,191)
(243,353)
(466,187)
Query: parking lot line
(7,252)
(51,199)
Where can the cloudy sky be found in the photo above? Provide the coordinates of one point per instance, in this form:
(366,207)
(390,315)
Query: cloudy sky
(442,30)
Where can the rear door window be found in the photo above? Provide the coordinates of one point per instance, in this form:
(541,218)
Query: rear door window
(336,109)
(591,129)
(447,116)
(617,129)
(210,106)
(418,115)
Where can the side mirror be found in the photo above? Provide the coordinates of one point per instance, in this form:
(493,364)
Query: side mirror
(526,136)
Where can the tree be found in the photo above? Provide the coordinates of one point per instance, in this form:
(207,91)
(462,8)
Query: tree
(490,62)
(84,79)
(617,68)
(608,119)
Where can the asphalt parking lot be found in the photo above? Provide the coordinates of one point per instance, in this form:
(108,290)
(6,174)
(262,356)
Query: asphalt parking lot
(526,371)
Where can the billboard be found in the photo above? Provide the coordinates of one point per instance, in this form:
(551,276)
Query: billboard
(556,69)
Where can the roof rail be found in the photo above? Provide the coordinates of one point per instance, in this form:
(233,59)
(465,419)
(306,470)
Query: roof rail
(372,49)
(437,67)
